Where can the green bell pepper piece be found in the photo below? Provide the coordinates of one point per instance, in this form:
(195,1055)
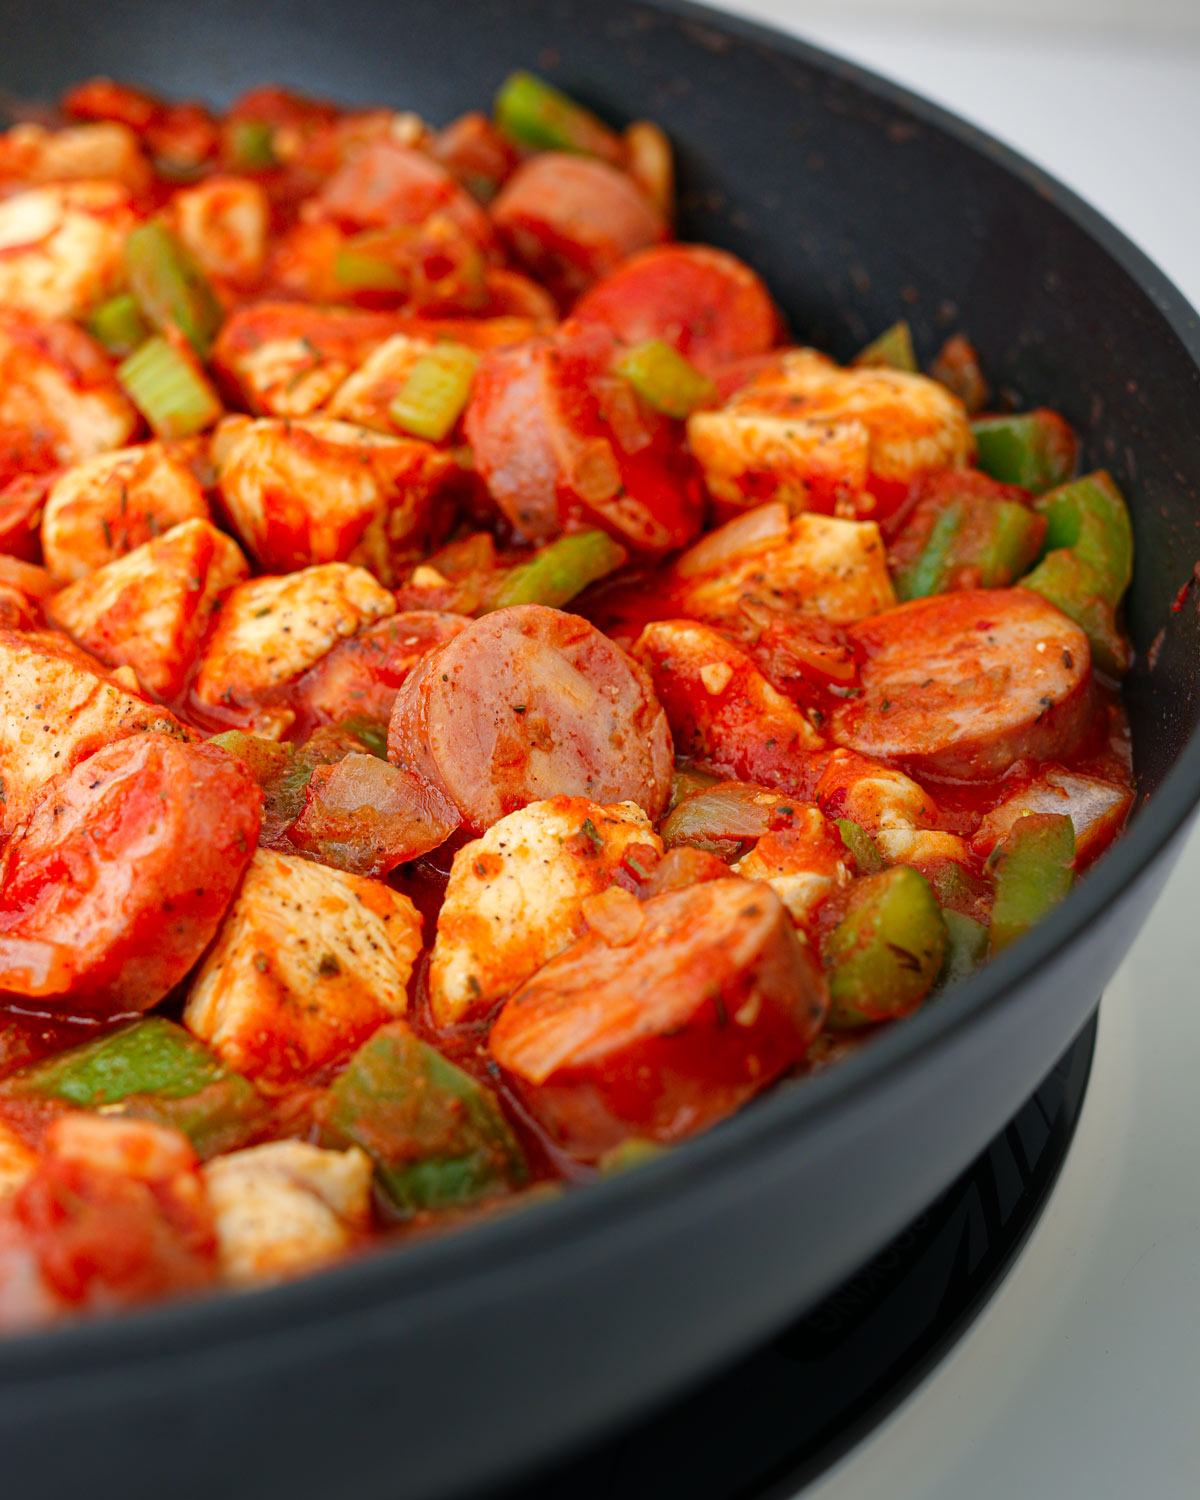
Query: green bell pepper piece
(1072,584)
(892,350)
(966,947)
(437,1137)
(155,1070)
(1090,518)
(993,540)
(559,571)
(860,843)
(885,954)
(1033,869)
(1035,449)
(534,113)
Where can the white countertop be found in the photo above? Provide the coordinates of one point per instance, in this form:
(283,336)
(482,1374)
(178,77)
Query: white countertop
(1082,1376)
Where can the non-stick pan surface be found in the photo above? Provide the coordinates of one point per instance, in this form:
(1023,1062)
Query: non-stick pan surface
(427,1371)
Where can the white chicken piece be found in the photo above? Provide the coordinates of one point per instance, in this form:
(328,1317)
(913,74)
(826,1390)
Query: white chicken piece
(877,796)
(225,222)
(308,962)
(367,395)
(807,428)
(286,1207)
(104,507)
(98,149)
(62,246)
(59,707)
(56,381)
(819,564)
(150,609)
(802,864)
(921,847)
(319,491)
(17,1161)
(140,1149)
(514,896)
(270,630)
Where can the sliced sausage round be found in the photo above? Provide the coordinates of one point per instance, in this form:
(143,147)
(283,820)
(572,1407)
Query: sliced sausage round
(695,1008)
(529,703)
(571,219)
(963,685)
(704,302)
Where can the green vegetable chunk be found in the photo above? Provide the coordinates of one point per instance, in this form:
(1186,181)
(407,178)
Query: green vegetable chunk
(861,845)
(360,268)
(966,947)
(630,1153)
(264,759)
(436,392)
(892,350)
(559,571)
(118,325)
(664,379)
(536,114)
(885,954)
(1033,869)
(169,286)
(155,1070)
(438,1138)
(172,394)
(1035,449)
(252,145)
(973,539)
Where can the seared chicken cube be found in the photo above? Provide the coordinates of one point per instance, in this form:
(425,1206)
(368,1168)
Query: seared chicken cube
(286,1207)
(802,864)
(514,896)
(61,246)
(320,491)
(54,380)
(798,463)
(270,630)
(17,1161)
(877,796)
(819,564)
(59,707)
(309,962)
(106,506)
(224,222)
(99,149)
(150,610)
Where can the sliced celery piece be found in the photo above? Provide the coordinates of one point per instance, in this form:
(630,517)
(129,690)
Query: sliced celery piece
(664,379)
(169,389)
(118,325)
(562,569)
(437,389)
(892,350)
(170,287)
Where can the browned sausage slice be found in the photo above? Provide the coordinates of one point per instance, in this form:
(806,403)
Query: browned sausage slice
(669,1023)
(529,703)
(963,685)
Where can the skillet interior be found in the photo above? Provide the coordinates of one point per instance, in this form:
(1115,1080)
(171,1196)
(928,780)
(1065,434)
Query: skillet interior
(419,1372)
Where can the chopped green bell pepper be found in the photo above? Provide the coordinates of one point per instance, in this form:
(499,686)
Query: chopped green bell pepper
(966,947)
(534,113)
(437,1137)
(559,571)
(885,954)
(1033,869)
(630,1153)
(1035,449)
(974,538)
(892,350)
(860,843)
(1071,584)
(155,1070)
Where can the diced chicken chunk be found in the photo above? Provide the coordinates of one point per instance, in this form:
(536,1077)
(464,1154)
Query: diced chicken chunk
(878,797)
(17,1161)
(56,381)
(802,864)
(61,246)
(286,1207)
(58,708)
(224,222)
(923,848)
(106,506)
(823,565)
(514,896)
(319,491)
(151,609)
(819,435)
(270,630)
(99,149)
(309,961)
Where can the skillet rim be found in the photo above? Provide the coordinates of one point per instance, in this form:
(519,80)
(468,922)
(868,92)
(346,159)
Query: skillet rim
(622,1205)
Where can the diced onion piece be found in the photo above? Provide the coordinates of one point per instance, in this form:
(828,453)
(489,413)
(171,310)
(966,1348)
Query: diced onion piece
(171,289)
(118,324)
(536,114)
(649,161)
(560,570)
(664,379)
(437,390)
(252,145)
(766,523)
(169,388)
(892,350)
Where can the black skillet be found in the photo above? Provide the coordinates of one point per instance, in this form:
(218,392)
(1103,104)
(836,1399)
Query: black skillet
(427,1371)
